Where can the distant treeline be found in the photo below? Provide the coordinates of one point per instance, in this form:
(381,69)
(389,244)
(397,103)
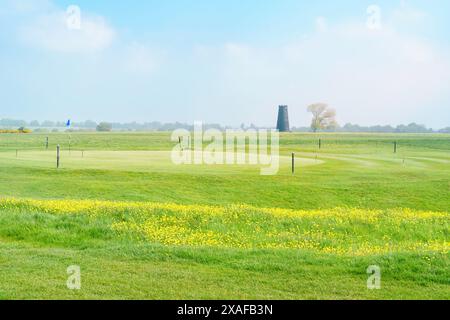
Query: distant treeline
(410,128)
(90,125)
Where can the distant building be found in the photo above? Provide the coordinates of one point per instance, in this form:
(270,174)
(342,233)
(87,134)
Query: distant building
(283,119)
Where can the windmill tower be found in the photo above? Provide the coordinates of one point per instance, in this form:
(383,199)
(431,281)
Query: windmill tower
(283,119)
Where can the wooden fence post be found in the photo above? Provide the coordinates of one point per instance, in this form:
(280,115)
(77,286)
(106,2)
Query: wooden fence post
(293,163)
(57,156)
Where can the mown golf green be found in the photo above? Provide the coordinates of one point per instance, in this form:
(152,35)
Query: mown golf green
(141,227)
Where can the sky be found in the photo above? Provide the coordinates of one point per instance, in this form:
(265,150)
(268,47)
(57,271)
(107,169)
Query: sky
(225,61)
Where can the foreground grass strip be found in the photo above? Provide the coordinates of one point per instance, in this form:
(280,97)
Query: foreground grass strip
(338,231)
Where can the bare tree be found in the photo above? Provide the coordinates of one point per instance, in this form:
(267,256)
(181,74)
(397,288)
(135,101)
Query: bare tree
(323,117)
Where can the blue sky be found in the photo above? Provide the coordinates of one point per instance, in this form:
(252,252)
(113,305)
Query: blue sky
(225,61)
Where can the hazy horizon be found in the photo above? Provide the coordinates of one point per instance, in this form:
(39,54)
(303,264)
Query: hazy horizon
(75,124)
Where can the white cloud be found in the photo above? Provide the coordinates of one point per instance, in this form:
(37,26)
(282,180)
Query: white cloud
(392,75)
(141,59)
(50,32)
(237,51)
(407,15)
(321,24)
(369,76)
(24,6)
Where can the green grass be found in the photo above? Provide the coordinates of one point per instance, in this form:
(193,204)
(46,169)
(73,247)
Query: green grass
(350,171)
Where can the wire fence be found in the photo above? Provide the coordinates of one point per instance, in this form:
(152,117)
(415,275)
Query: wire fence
(12,142)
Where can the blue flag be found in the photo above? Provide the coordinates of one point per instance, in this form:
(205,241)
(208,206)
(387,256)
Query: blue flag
(68,123)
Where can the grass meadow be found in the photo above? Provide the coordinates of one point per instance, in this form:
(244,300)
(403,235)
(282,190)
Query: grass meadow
(141,227)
